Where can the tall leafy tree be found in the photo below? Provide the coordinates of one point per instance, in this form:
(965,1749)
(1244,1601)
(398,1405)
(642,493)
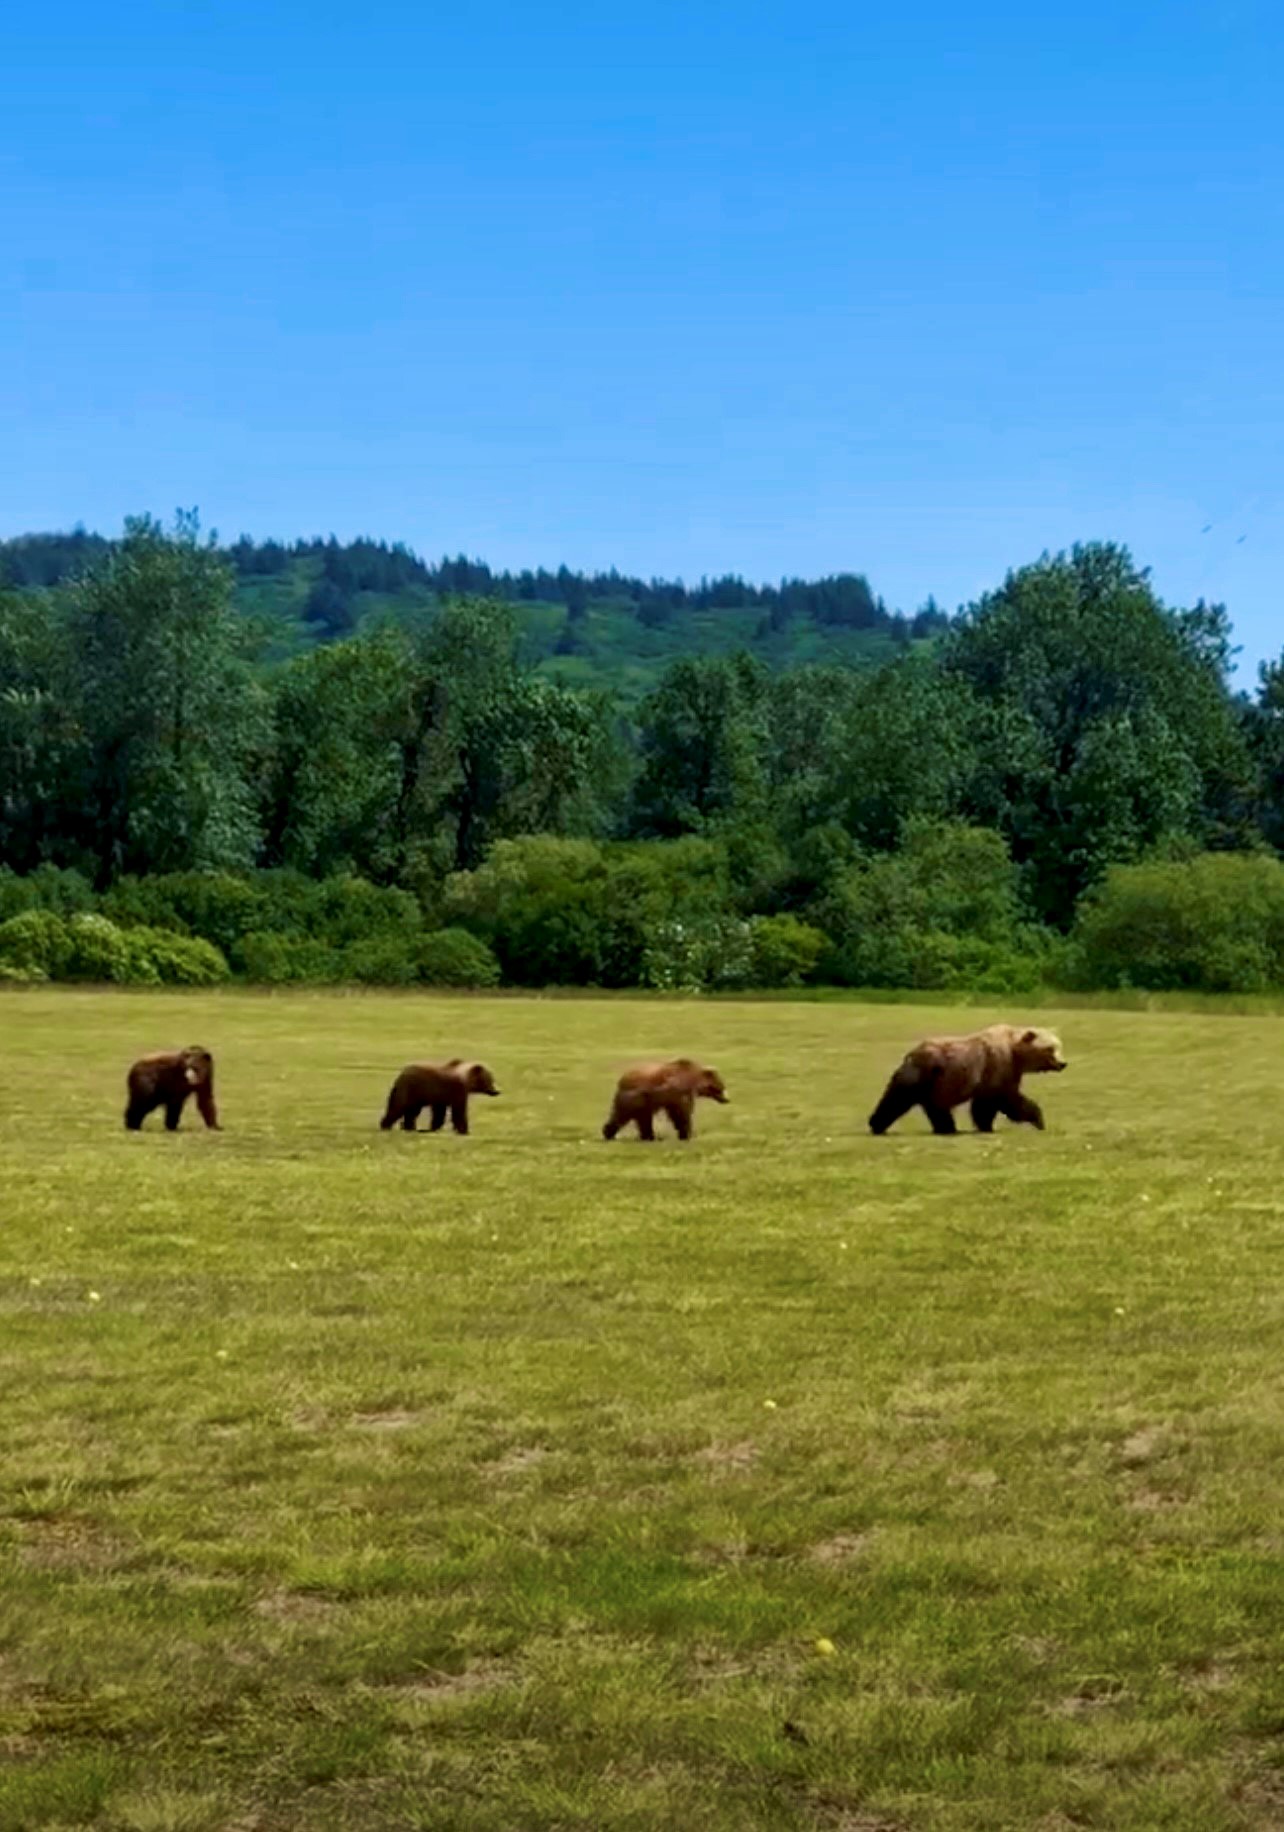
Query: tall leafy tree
(905,750)
(511,753)
(342,716)
(36,732)
(405,753)
(703,739)
(1263,722)
(168,715)
(1107,725)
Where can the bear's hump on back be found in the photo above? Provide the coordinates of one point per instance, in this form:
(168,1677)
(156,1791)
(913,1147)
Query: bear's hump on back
(1037,1048)
(1030,1048)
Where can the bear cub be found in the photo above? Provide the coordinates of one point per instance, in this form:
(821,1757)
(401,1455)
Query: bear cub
(662,1087)
(166,1079)
(442,1086)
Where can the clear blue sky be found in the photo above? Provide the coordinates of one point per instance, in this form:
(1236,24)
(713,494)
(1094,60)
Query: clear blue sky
(686,287)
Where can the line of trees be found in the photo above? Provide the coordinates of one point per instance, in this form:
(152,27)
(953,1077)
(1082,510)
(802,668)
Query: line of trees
(1060,786)
(346,570)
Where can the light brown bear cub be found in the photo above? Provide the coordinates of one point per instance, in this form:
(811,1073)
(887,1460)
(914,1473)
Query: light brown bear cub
(443,1086)
(166,1079)
(662,1087)
(985,1068)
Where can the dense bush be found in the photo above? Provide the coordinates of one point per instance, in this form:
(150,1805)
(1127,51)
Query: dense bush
(100,952)
(218,906)
(453,957)
(36,942)
(688,954)
(1213,923)
(47,888)
(175,960)
(273,959)
(940,914)
(943,913)
(380,960)
(587,913)
(784,951)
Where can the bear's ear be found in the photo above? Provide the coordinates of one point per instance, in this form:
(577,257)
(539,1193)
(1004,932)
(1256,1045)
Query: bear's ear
(1031,1036)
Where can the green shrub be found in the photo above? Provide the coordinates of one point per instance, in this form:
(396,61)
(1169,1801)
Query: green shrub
(174,960)
(783,951)
(36,941)
(696,954)
(271,959)
(574,912)
(47,888)
(218,906)
(940,914)
(380,960)
(21,976)
(453,957)
(1214,923)
(15,895)
(345,910)
(100,952)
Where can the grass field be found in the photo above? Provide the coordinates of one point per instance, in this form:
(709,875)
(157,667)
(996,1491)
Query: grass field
(352,1480)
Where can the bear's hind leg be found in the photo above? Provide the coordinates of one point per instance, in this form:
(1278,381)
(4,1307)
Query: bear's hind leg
(136,1112)
(1017,1107)
(984,1109)
(174,1113)
(438,1116)
(409,1116)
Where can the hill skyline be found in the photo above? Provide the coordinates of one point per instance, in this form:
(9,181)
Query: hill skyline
(585,628)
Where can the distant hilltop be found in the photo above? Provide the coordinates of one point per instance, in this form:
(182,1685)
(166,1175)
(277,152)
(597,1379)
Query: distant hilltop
(600,628)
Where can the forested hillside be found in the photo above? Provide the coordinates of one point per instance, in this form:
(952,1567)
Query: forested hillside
(598,629)
(1060,786)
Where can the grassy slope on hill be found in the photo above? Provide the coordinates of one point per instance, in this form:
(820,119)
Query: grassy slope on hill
(354,1480)
(617,649)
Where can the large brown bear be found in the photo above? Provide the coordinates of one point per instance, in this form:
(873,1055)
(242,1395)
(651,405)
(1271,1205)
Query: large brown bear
(941,1073)
(443,1086)
(166,1079)
(662,1087)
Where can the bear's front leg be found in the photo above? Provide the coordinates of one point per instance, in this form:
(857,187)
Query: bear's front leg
(984,1108)
(941,1117)
(902,1093)
(1018,1108)
(679,1112)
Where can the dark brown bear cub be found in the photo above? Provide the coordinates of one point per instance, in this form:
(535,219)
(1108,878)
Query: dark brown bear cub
(443,1086)
(662,1087)
(941,1073)
(166,1079)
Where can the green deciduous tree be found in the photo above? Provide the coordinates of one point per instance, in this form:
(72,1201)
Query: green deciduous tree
(37,732)
(1106,724)
(404,754)
(703,740)
(168,718)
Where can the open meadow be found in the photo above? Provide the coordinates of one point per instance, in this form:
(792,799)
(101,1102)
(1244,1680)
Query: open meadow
(356,1480)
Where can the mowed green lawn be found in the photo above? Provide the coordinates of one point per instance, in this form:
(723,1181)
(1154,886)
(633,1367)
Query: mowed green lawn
(352,1480)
